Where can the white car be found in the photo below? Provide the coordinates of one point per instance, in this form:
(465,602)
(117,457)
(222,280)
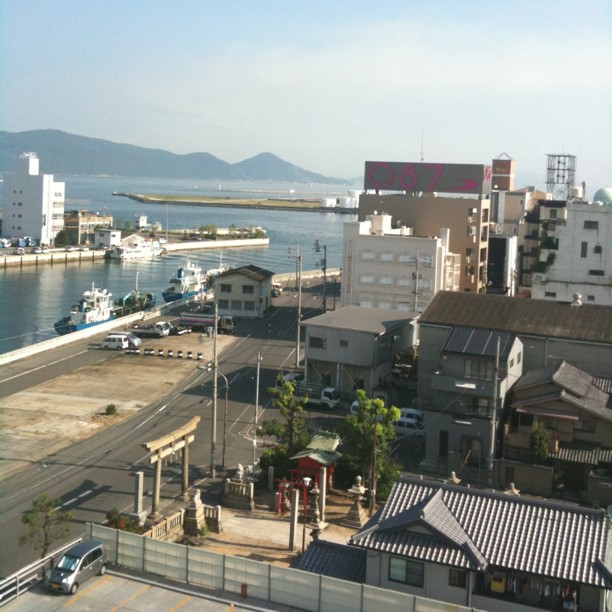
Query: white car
(412,413)
(407,426)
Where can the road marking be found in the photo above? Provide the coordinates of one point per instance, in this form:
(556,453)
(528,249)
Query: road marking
(181,603)
(46,365)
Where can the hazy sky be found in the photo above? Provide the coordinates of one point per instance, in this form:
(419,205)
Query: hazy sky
(325,85)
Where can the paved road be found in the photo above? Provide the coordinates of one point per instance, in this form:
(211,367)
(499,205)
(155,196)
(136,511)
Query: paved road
(96,475)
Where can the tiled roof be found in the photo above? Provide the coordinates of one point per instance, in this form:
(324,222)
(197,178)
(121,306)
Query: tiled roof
(253,272)
(544,538)
(583,453)
(324,440)
(589,322)
(320,456)
(335,560)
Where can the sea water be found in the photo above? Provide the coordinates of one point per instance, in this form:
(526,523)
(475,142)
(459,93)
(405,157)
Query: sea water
(33,298)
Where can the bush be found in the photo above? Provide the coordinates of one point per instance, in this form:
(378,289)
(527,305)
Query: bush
(278,458)
(111,410)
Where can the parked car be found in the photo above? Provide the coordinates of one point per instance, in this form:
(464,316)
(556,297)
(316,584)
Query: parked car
(19,251)
(133,340)
(412,413)
(70,249)
(76,566)
(115,342)
(408,426)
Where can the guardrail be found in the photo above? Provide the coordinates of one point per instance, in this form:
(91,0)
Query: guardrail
(23,580)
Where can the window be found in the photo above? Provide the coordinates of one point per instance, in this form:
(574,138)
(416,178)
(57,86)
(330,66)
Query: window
(224,304)
(225,288)
(584,246)
(587,425)
(406,571)
(236,305)
(550,294)
(366,278)
(367,255)
(590,298)
(596,272)
(249,305)
(591,225)
(315,342)
(457,578)
(597,249)
(553,214)
(344,343)
(248,289)
(518,358)
(385,280)
(386,257)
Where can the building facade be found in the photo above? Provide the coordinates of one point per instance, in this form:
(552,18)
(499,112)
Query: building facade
(33,202)
(392,269)
(575,254)
(81,226)
(425,213)
(244,292)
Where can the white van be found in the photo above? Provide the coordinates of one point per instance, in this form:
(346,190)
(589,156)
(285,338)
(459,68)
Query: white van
(133,340)
(408,426)
(115,342)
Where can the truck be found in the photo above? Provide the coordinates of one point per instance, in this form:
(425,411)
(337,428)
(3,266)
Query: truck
(317,394)
(152,330)
(202,321)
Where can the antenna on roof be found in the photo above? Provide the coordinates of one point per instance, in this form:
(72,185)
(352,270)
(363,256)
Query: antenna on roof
(422,152)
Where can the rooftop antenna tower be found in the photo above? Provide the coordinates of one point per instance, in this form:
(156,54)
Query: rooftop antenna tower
(560,176)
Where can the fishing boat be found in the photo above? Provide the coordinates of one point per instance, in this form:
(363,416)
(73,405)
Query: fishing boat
(96,306)
(136,249)
(189,280)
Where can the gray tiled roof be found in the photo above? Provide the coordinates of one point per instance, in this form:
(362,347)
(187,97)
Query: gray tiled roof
(588,322)
(548,539)
(588,454)
(251,271)
(335,560)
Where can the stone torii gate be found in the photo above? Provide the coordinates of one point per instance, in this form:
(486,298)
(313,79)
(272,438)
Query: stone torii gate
(179,439)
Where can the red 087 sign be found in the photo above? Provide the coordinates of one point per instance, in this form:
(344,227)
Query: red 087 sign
(409,176)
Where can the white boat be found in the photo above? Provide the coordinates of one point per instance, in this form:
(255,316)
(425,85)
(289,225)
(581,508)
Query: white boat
(145,249)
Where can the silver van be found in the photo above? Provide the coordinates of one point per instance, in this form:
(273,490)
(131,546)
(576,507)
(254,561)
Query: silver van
(115,342)
(76,566)
(133,340)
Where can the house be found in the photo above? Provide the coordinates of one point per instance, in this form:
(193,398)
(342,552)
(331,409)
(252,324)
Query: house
(577,417)
(82,227)
(355,348)
(244,292)
(476,369)
(489,550)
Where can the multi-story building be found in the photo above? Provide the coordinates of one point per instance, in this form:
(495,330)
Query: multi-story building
(575,254)
(392,269)
(33,202)
(426,197)
(81,226)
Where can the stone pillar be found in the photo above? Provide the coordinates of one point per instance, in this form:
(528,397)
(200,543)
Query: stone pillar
(156,487)
(138,491)
(323,489)
(295,510)
(271,478)
(185,468)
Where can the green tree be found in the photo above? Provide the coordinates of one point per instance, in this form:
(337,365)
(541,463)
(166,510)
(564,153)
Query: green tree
(539,442)
(291,409)
(370,428)
(45,523)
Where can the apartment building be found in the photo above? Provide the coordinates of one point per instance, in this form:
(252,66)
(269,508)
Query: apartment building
(33,202)
(392,269)
(427,197)
(574,254)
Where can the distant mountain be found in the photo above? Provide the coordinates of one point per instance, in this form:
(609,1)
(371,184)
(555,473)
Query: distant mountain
(63,153)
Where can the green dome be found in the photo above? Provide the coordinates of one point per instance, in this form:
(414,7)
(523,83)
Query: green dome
(603,195)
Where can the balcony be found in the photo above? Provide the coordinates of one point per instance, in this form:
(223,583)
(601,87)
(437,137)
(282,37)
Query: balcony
(458,384)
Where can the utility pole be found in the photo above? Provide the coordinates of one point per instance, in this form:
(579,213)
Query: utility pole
(323,263)
(493,417)
(298,258)
(256,412)
(213,426)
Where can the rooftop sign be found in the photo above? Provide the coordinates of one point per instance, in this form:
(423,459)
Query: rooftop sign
(409,176)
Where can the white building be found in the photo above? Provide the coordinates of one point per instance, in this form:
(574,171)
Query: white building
(394,270)
(33,202)
(577,254)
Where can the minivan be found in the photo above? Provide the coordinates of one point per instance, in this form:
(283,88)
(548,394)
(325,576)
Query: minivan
(115,342)
(408,426)
(77,565)
(133,340)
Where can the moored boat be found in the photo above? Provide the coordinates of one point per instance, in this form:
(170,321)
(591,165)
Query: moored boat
(96,306)
(137,249)
(190,281)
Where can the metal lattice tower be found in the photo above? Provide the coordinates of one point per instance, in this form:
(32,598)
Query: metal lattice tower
(560,176)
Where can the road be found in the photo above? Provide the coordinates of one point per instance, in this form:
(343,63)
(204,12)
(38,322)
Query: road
(96,475)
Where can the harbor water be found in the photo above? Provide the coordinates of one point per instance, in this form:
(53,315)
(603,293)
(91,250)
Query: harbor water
(32,298)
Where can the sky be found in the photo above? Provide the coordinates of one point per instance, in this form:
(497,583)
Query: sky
(325,85)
